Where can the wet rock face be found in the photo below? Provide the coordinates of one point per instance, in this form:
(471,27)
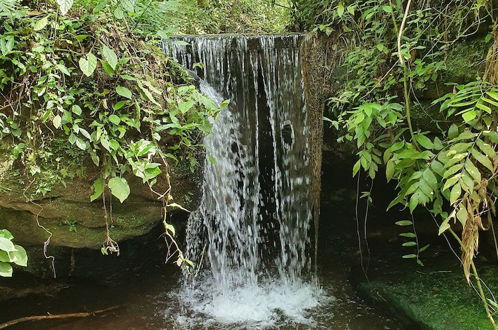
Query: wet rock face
(74,223)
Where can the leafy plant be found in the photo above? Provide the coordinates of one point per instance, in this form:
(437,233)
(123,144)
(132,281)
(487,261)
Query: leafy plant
(10,253)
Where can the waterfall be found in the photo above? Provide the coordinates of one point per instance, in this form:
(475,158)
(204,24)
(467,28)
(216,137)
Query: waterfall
(252,228)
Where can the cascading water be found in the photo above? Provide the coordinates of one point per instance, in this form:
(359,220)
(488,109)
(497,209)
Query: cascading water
(252,227)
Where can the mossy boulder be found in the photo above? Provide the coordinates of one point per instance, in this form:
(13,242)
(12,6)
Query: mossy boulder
(74,221)
(434,299)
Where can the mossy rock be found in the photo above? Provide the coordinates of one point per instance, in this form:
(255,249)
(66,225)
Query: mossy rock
(439,300)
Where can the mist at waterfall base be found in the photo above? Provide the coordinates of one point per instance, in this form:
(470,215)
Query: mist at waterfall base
(253,224)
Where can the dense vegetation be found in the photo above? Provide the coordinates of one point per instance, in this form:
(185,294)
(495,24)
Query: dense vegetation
(418,104)
(85,82)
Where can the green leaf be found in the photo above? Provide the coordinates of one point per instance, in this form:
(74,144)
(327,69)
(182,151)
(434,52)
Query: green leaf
(462,215)
(473,171)
(452,170)
(88,64)
(469,116)
(340,10)
(19,256)
(57,121)
(404,223)
(114,119)
(493,95)
(409,235)
(387,9)
(5,269)
(124,92)
(445,225)
(409,244)
(430,178)
(4,256)
(185,106)
(483,107)
(482,159)
(493,136)
(6,245)
(389,170)
(455,193)
(486,148)
(64,5)
(6,234)
(425,247)
(76,110)
(424,141)
(453,131)
(40,24)
(170,228)
(119,188)
(451,181)
(110,56)
(98,189)
(356,168)
(409,256)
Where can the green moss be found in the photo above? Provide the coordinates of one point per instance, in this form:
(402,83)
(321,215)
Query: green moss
(465,61)
(434,299)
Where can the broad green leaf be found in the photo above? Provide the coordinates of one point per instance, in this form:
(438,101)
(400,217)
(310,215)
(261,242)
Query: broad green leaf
(110,56)
(493,95)
(98,189)
(114,119)
(469,116)
(452,170)
(19,256)
(57,121)
(424,141)
(4,257)
(453,131)
(486,148)
(430,178)
(473,171)
(456,191)
(493,136)
(88,64)
(451,181)
(40,24)
(482,159)
(340,9)
(356,168)
(6,234)
(76,109)
(64,5)
(462,215)
(124,92)
(185,106)
(119,188)
(5,269)
(483,107)
(445,225)
(6,245)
